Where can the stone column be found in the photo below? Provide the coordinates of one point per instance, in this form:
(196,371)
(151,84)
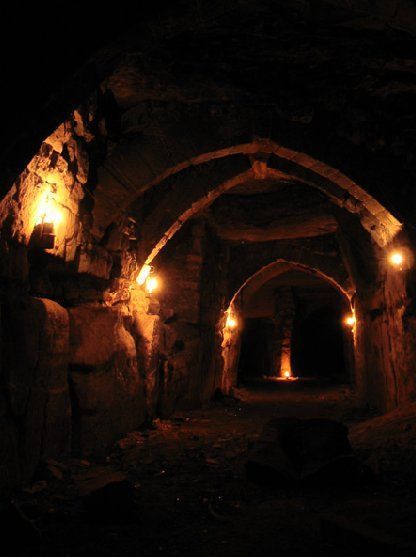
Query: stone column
(284,315)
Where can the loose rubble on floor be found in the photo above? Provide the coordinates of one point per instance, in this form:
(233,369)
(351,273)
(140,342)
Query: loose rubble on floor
(189,486)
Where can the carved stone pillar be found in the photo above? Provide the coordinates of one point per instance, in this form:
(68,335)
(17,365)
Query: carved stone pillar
(284,315)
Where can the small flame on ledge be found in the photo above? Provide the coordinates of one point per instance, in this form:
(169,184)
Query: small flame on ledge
(286,379)
(287,376)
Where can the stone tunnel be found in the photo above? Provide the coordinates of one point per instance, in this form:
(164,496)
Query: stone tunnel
(208,207)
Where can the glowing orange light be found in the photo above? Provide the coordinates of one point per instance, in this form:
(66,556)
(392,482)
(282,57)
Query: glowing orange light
(152,284)
(47,210)
(287,374)
(231,322)
(396,258)
(144,274)
(350,320)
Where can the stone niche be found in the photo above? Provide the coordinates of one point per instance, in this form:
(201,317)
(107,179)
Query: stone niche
(107,387)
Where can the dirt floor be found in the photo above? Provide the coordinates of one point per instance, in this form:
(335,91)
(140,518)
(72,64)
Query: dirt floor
(185,490)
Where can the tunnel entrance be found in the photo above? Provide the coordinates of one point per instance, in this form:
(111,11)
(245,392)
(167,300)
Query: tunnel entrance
(256,359)
(319,345)
(294,327)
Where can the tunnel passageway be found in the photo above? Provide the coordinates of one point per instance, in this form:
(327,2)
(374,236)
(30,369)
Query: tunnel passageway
(207,239)
(295,323)
(319,345)
(255,359)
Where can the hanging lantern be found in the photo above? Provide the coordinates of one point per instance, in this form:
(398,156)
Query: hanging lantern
(47,218)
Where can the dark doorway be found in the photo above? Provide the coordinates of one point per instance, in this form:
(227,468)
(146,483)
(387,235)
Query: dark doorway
(318,344)
(256,357)
(295,322)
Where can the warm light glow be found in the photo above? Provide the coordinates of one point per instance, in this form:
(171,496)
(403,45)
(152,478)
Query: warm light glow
(48,211)
(231,322)
(350,320)
(152,284)
(285,365)
(143,275)
(396,258)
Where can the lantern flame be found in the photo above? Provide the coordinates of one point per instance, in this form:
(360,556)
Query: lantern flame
(350,320)
(396,258)
(231,322)
(47,211)
(152,284)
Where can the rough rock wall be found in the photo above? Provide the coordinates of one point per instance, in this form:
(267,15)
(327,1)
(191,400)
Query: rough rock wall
(60,167)
(108,391)
(182,336)
(212,315)
(122,356)
(76,344)
(384,308)
(35,403)
(35,417)
(385,336)
(193,269)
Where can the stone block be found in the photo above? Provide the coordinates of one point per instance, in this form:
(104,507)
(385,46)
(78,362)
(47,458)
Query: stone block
(107,387)
(96,262)
(35,347)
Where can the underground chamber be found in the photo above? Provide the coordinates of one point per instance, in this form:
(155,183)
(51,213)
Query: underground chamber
(207,281)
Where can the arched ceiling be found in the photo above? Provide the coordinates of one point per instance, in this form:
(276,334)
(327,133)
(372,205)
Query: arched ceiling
(280,206)
(280,267)
(275,210)
(153,154)
(319,256)
(256,298)
(327,86)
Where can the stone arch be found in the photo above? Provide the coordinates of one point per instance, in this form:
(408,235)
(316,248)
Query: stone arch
(161,149)
(231,341)
(266,273)
(195,193)
(316,255)
(202,178)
